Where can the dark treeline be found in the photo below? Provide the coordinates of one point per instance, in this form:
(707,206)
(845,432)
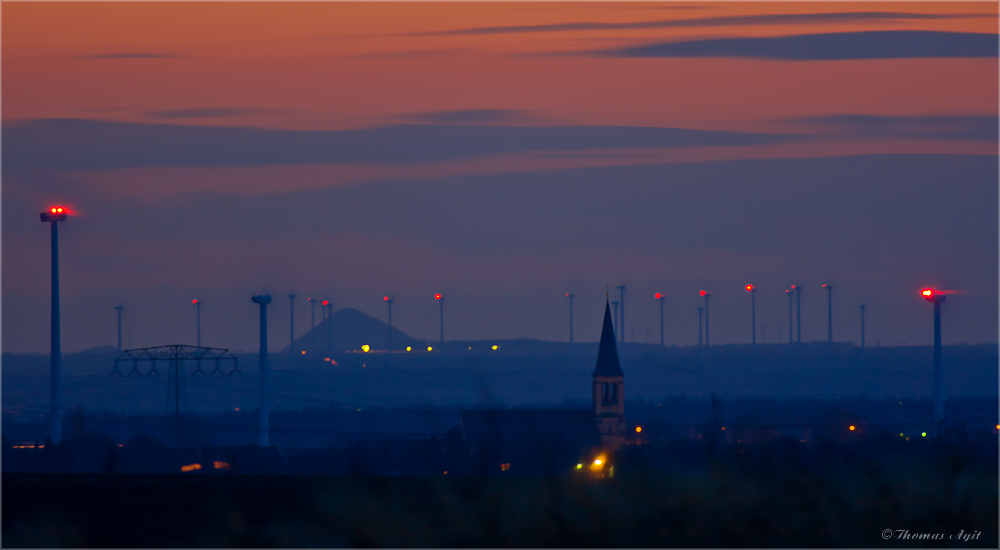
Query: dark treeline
(676,492)
(701,472)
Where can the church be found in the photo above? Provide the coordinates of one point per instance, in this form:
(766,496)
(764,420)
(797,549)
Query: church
(534,440)
(608,388)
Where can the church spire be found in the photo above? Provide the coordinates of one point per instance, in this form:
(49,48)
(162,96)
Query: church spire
(607,352)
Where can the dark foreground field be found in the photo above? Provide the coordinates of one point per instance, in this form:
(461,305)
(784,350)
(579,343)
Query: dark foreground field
(723,504)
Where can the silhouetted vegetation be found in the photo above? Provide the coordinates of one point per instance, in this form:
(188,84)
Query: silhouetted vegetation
(675,493)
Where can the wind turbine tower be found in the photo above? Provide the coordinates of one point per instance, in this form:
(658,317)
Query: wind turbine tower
(55,215)
(119,310)
(263,435)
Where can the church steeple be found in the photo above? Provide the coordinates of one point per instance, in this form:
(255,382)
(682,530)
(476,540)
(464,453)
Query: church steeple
(609,387)
(607,352)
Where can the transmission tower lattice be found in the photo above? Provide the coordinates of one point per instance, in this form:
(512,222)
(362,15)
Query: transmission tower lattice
(176,356)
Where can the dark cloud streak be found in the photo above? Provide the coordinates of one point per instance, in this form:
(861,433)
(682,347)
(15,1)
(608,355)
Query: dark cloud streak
(826,47)
(74,144)
(738,20)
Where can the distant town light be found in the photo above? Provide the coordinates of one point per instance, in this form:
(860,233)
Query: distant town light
(191,467)
(598,461)
(638,429)
(430,348)
(219,465)
(851,428)
(723,427)
(923,434)
(366,348)
(303,352)
(408,348)
(579,466)
(495,347)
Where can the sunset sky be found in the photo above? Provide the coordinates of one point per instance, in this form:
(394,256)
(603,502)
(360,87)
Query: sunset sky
(501,154)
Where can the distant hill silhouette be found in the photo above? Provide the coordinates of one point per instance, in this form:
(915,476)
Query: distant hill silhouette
(351,330)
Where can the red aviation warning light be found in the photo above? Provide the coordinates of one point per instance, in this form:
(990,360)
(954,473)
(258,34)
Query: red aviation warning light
(749,288)
(932,295)
(437,296)
(657,295)
(326,302)
(385,298)
(703,293)
(567,294)
(55,214)
(195,301)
